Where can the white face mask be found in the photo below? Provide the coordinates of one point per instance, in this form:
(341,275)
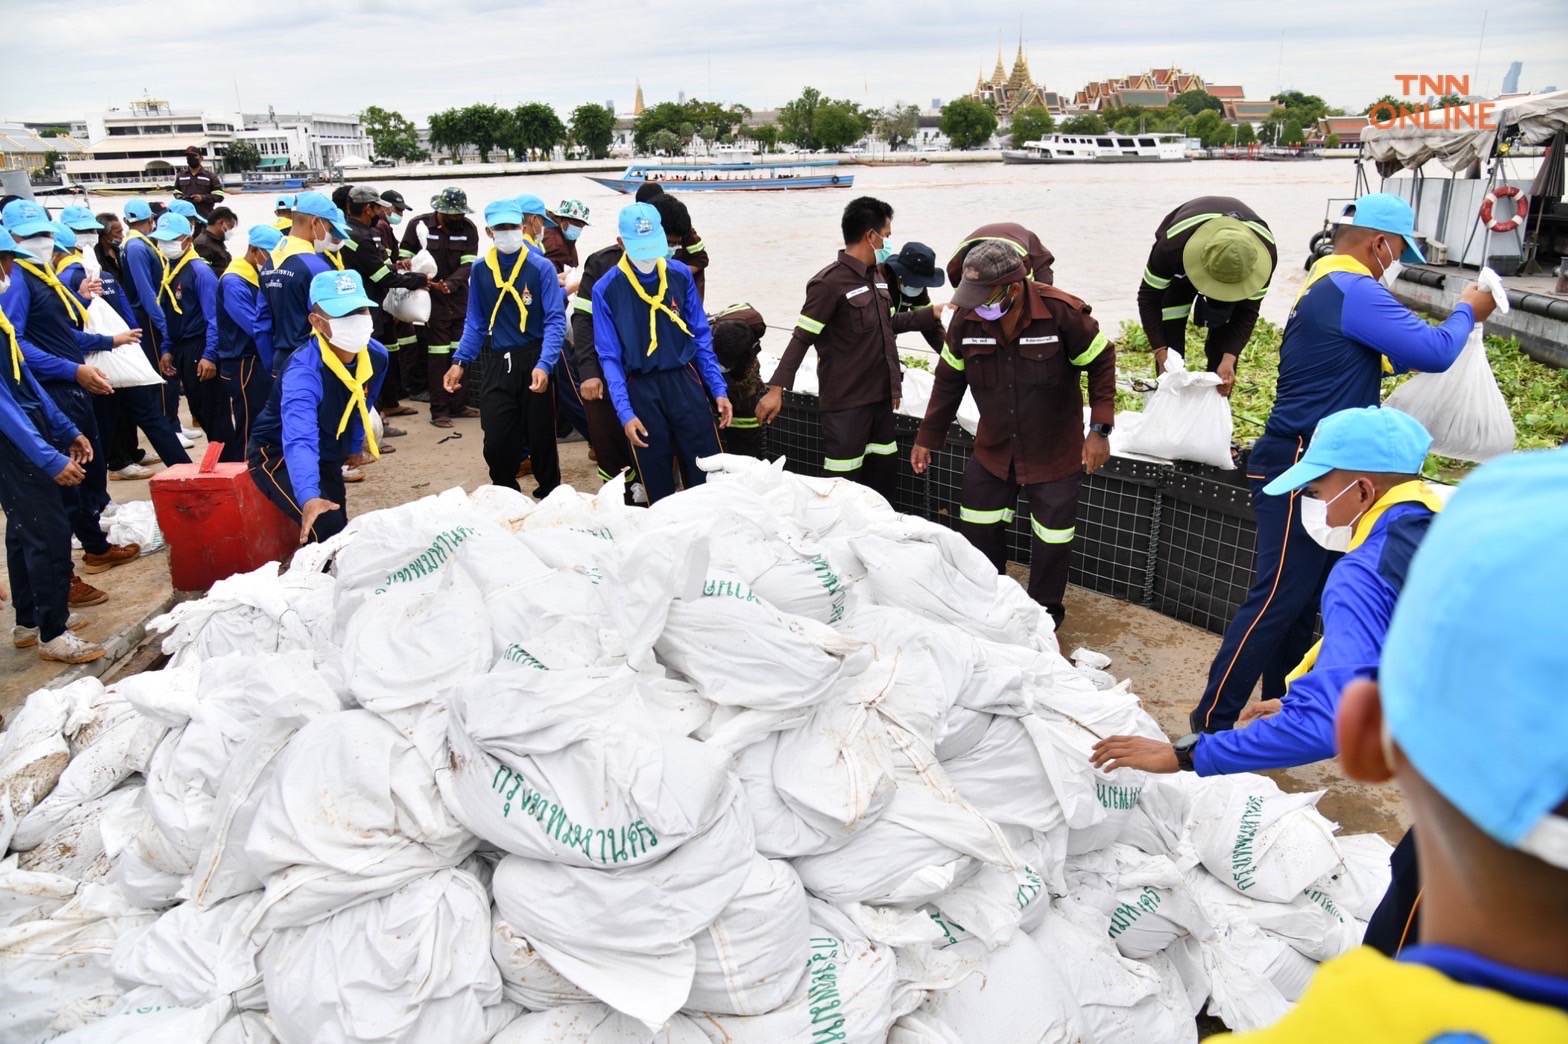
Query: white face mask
(1314,519)
(333,246)
(41,247)
(352,332)
(1391,270)
(646,267)
(172,249)
(86,240)
(5,283)
(508,241)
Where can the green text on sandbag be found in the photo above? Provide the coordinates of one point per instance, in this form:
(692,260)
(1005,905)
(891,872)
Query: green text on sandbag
(616,845)
(827,1022)
(429,560)
(1124,915)
(1242,866)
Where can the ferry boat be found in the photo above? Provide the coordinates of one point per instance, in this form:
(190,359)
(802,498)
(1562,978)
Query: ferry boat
(1100,148)
(731,177)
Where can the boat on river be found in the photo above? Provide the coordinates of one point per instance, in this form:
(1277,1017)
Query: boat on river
(1100,148)
(731,177)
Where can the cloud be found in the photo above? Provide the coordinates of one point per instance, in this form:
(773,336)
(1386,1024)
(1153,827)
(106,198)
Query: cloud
(421,57)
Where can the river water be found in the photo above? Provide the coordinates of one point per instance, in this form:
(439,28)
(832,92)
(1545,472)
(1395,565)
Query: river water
(1099,221)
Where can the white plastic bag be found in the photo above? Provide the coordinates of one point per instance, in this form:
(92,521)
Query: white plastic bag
(125,366)
(1186,419)
(412,306)
(1462,407)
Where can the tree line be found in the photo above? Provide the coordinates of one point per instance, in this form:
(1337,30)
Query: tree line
(522,132)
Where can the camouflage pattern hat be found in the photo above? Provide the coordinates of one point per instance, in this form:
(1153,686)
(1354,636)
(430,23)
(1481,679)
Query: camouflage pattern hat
(572,210)
(451,201)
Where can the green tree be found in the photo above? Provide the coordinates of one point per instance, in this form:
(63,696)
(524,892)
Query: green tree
(535,129)
(51,162)
(836,127)
(1084,123)
(666,141)
(1292,134)
(896,125)
(1305,109)
(795,119)
(593,127)
(52,132)
(968,123)
(1331,142)
(392,135)
(1448,101)
(448,130)
(1195,101)
(487,127)
(1245,135)
(767,136)
(663,116)
(1209,128)
(240,156)
(1031,123)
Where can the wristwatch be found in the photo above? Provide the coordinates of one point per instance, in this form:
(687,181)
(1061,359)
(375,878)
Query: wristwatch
(1102,429)
(1184,748)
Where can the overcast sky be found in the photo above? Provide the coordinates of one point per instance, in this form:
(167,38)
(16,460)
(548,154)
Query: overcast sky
(299,56)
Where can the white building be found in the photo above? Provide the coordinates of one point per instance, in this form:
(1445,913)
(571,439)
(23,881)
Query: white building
(146,143)
(316,141)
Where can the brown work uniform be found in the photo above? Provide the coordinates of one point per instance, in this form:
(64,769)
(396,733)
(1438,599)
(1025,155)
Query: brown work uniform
(848,317)
(693,253)
(1166,298)
(199,182)
(211,249)
(1020,238)
(558,250)
(1031,425)
(737,340)
(605,433)
(454,250)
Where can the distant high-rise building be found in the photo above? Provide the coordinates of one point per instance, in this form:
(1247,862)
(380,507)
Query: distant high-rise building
(609,103)
(936,103)
(680,98)
(1511,79)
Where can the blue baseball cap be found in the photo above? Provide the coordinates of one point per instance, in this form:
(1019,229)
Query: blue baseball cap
(503,212)
(285,202)
(642,232)
(8,244)
(80,219)
(64,238)
(186,209)
(171,226)
(339,293)
(137,210)
(1387,212)
(530,204)
(25,218)
(264,236)
(1371,439)
(339,223)
(1473,666)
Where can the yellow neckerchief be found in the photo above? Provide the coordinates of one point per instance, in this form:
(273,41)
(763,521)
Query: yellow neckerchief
(507,286)
(73,308)
(334,259)
(356,389)
(131,233)
(1416,492)
(654,301)
(69,258)
(532,242)
(291,246)
(16,348)
(1337,263)
(169,275)
(245,270)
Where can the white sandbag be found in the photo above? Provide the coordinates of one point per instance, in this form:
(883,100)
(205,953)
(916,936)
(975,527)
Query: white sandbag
(1461,408)
(781,832)
(423,262)
(351,814)
(1261,842)
(1186,418)
(1312,922)
(135,523)
(33,753)
(141,1018)
(788,573)
(75,847)
(126,366)
(1146,900)
(30,895)
(566,766)
(197,955)
(1015,993)
(997,902)
(624,933)
(526,977)
(1359,884)
(748,959)
(259,611)
(407,305)
(595,1024)
(410,966)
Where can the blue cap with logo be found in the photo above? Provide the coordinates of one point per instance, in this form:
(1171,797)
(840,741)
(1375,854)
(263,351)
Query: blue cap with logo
(503,212)
(339,293)
(264,236)
(1372,440)
(317,205)
(642,232)
(530,204)
(186,209)
(171,226)
(25,218)
(137,210)
(80,219)
(1473,666)
(1387,212)
(64,238)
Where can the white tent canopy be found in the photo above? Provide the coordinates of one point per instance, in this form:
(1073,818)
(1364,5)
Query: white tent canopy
(1535,118)
(352,162)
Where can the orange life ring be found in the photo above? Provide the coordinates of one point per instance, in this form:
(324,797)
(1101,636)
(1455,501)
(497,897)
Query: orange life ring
(1521,208)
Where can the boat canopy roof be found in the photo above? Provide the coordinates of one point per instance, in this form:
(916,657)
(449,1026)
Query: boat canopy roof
(1534,119)
(661,167)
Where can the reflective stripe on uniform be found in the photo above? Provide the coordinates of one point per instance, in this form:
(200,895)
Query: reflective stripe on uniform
(695,248)
(808,324)
(1193,222)
(441,349)
(952,360)
(984,518)
(401,341)
(380,274)
(1153,280)
(1176,312)
(743,423)
(605,476)
(1257,226)
(1052,536)
(882,449)
(405,252)
(836,464)
(583,304)
(468,259)
(393,346)
(1092,352)
(1260,295)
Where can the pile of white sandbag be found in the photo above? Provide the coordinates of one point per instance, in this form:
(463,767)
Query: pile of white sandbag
(766,762)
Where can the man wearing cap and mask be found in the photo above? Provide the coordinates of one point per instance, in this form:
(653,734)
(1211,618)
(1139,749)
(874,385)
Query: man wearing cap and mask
(318,419)
(380,273)
(1022,348)
(453,241)
(1023,242)
(910,275)
(197,185)
(656,351)
(1212,261)
(245,333)
(567,222)
(1466,716)
(687,246)
(294,263)
(1344,335)
(190,300)
(517,313)
(144,268)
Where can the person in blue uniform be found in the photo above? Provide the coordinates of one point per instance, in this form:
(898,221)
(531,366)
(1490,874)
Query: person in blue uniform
(318,418)
(144,269)
(190,301)
(41,452)
(295,262)
(1345,333)
(656,350)
(245,332)
(517,313)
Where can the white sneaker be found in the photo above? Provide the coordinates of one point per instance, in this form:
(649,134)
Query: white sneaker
(27,637)
(131,471)
(639,494)
(185,442)
(192,433)
(67,648)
